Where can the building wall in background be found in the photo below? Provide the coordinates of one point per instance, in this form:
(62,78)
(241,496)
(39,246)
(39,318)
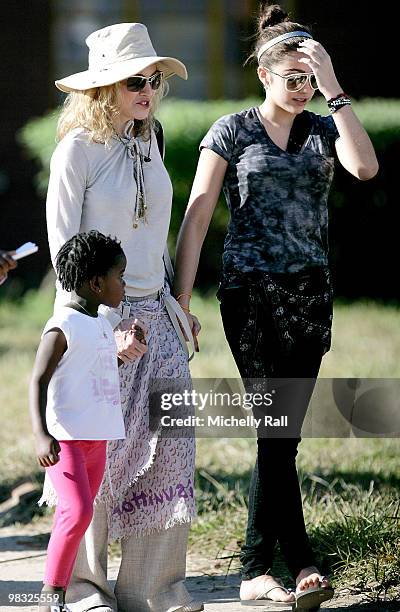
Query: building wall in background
(207,35)
(44,39)
(212,37)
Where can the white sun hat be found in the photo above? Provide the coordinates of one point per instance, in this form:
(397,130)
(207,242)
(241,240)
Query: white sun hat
(117,52)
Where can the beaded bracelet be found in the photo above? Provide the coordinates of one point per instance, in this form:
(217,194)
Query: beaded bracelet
(337,103)
(341,95)
(340,100)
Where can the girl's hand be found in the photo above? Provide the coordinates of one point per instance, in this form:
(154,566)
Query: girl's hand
(131,342)
(140,330)
(47,450)
(321,65)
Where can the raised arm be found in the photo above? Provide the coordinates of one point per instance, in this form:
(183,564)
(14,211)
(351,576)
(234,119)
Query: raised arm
(203,199)
(354,147)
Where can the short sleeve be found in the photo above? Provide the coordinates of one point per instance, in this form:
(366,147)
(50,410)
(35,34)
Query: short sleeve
(329,132)
(220,138)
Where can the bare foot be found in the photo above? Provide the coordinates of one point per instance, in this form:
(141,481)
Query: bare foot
(251,589)
(310,577)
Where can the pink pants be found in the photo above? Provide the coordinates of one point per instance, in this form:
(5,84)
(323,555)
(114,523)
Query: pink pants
(76,478)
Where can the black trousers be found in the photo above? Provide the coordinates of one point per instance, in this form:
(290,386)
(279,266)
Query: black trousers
(275,504)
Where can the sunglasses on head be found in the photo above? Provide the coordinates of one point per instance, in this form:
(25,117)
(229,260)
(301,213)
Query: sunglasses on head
(295,82)
(137,83)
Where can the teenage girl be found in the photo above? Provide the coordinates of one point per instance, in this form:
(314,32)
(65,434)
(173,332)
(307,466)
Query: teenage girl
(74,396)
(275,163)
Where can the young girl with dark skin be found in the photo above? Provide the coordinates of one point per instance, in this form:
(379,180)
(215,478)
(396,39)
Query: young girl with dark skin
(72,420)
(276,165)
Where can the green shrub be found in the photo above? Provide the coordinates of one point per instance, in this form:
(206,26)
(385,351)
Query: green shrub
(186,122)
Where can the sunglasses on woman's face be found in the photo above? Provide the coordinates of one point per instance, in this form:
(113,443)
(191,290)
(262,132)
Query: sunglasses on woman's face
(295,82)
(137,83)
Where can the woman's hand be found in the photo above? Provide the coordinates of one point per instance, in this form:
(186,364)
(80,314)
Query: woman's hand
(320,63)
(195,327)
(47,449)
(131,342)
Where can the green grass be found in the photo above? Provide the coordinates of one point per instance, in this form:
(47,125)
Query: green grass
(350,486)
(20,327)
(351,504)
(365,342)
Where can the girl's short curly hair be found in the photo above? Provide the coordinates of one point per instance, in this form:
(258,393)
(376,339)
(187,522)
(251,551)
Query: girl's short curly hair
(85,256)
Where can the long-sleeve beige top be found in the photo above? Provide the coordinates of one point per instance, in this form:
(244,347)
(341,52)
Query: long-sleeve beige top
(92,186)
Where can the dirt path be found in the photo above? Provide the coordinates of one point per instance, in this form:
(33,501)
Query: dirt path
(22,556)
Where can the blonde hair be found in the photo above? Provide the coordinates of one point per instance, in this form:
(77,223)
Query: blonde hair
(95,109)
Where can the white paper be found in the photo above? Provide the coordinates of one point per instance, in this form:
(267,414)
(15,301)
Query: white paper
(24,250)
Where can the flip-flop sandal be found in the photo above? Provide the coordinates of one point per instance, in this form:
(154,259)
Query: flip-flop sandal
(267,602)
(312,598)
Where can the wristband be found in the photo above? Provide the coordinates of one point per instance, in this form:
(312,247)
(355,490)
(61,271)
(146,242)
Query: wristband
(337,104)
(341,95)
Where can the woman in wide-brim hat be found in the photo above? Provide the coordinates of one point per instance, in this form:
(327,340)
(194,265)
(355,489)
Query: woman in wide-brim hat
(107,173)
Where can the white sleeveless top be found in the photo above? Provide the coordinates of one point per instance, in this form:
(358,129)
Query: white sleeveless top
(83,400)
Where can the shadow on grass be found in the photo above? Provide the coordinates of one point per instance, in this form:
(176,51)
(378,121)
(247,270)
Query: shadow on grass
(317,483)
(358,478)
(18,503)
(7,486)
(20,543)
(216,489)
(353,525)
(4,349)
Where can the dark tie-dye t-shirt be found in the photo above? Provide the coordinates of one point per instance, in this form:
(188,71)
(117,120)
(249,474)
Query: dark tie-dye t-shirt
(277,200)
